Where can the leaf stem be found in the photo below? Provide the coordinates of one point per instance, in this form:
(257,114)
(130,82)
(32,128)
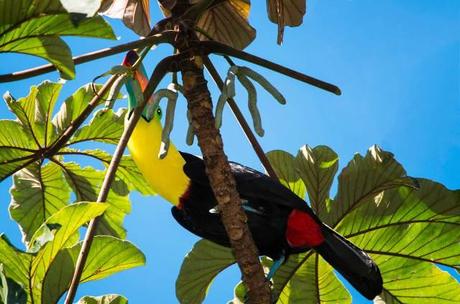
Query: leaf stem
(164,37)
(214,47)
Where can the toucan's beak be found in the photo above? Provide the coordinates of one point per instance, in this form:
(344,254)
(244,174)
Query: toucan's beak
(140,76)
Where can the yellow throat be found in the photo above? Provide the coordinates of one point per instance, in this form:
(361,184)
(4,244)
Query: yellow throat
(165,176)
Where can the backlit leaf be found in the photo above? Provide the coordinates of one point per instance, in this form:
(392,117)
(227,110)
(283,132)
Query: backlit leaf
(134,13)
(69,219)
(285,168)
(107,299)
(86,183)
(200,266)
(34,28)
(107,255)
(317,168)
(105,127)
(226,22)
(37,193)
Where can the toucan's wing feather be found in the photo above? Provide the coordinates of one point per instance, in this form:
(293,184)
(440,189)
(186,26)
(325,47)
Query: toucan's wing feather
(251,184)
(217,234)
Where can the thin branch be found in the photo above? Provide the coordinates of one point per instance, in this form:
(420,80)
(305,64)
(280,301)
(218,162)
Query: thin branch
(241,120)
(214,47)
(166,36)
(75,124)
(162,68)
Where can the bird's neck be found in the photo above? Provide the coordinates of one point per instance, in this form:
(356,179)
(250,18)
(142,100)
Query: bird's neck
(165,176)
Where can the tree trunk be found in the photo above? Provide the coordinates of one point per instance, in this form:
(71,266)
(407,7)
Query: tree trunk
(222,181)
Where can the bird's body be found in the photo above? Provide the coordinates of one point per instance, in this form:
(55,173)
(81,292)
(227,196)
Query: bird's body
(281,223)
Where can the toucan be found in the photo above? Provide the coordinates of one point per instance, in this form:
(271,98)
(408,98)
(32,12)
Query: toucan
(281,223)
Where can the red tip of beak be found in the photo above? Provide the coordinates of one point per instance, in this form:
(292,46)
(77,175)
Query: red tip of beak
(129,60)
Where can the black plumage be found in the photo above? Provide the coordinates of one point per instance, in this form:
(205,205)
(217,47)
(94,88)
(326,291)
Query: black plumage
(268,205)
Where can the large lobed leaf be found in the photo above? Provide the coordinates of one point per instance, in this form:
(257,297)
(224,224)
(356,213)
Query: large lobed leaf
(86,184)
(37,193)
(407,225)
(198,270)
(46,274)
(107,299)
(107,255)
(227,22)
(42,186)
(33,27)
(134,13)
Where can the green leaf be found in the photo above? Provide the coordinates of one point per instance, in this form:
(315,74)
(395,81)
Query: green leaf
(16,263)
(200,266)
(31,28)
(127,170)
(291,14)
(227,22)
(73,106)
(108,255)
(363,179)
(107,299)
(46,99)
(307,278)
(421,224)
(86,183)
(70,219)
(317,168)
(407,225)
(16,148)
(37,193)
(411,281)
(285,168)
(10,291)
(105,127)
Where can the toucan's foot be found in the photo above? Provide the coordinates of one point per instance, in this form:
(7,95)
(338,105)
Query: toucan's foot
(276,265)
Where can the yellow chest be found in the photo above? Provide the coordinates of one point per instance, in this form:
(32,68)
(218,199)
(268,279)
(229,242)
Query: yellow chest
(165,176)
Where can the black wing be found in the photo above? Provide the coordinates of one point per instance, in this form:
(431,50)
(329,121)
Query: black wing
(251,184)
(216,233)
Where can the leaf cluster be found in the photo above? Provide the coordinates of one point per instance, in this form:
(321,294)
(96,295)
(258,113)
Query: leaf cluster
(409,226)
(50,188)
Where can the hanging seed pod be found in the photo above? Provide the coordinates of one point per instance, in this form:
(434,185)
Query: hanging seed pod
(220,109)
(228,91)
(190,130)
(115,91)
(171,94)
(252,103)
(264,83)
(229,84)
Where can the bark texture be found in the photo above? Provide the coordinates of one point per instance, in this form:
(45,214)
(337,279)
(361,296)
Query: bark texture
(222,181)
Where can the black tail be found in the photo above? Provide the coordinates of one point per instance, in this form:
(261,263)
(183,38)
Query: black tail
(352,263)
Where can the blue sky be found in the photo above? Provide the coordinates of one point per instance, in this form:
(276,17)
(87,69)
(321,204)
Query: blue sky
(398,65)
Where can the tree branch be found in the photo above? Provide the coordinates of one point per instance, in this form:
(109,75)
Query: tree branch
(214,47)
(164,37)
(222,181)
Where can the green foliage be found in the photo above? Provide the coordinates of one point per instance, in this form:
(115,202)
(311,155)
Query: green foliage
(34,28)
(199,268)
(408,226)
(45,274)
(107,299)
(43,182)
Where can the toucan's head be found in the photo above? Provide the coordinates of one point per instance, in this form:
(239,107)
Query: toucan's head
(140,76)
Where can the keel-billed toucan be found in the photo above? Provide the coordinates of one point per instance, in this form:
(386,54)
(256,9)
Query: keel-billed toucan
(280,222)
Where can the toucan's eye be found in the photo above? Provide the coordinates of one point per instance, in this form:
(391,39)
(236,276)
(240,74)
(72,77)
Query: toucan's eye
(159,113)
